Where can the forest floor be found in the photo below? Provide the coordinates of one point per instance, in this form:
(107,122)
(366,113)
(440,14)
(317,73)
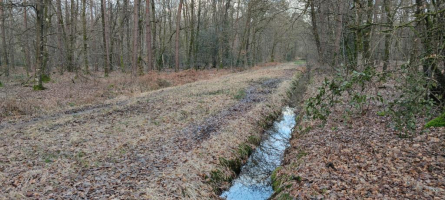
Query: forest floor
(361,155)
(160,144)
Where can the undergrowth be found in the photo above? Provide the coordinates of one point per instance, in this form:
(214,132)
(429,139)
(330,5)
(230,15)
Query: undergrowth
(357,90)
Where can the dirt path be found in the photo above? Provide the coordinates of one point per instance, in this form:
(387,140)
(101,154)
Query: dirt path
(156,145)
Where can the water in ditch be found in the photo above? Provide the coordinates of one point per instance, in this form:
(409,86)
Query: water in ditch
(254,181)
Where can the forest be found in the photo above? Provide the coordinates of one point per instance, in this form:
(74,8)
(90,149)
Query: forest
(137,37)
(187,99)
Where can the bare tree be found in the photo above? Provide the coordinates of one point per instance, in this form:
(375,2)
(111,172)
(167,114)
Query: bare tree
(178,24)
(148,35)
(5,62)
(386,4)
(85,38)
(105,38)
(40,29)
(26,44)
(135,37)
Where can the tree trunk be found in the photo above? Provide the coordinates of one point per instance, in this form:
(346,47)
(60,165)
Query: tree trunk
(121,37)
(178,23)
(93,46)
(215,35)
(226,31)
(245,39)
(148,36)
(104,34)
(84,29)
(190,61)
(367,32)
(72,24)
(47,22)
(338,33)
(153,25)
(135,37)
(196,47)
(110,33)
(387,35)
(358,34)
(40,46)
(235,25)
(5,62)
(26,44)
(12,41)
(140,42)
(315,32)
(64,35)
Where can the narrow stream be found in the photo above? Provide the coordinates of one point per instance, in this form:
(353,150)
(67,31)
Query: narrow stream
(254,181)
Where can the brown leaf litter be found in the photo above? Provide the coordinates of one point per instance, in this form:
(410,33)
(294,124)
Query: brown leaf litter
(363,158)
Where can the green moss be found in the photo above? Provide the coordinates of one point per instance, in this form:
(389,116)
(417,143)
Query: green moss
(38,87)
(436,122)
(276,182)
(46,78)
(1,84)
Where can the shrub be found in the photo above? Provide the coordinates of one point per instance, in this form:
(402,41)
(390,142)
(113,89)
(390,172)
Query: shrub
(357,90)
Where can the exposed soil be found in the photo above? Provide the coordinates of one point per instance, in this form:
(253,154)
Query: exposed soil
(157,145)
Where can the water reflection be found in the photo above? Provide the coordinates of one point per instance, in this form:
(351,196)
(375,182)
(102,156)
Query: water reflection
(254,181)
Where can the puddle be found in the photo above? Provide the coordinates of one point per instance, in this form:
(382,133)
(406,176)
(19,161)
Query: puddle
(254,181)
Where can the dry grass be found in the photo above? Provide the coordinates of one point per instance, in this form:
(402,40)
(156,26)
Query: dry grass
(150,147)
(70,91)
